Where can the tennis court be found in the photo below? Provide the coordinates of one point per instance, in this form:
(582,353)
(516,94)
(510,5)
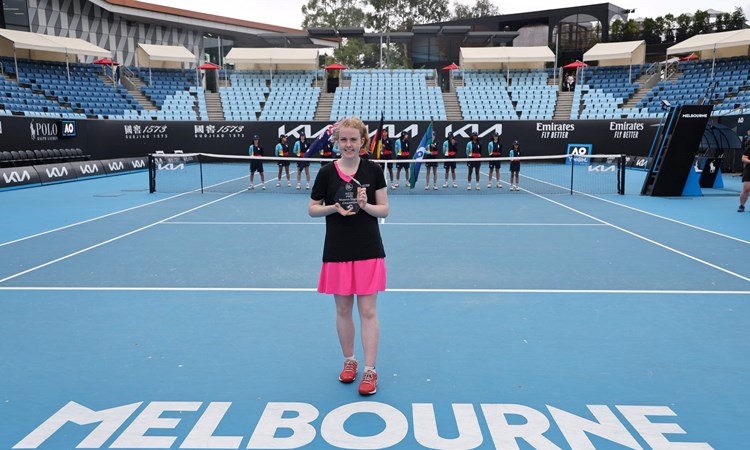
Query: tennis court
(513,321)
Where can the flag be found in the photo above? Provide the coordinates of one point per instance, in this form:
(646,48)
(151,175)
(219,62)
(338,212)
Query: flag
(320,142)
(376,143)
(419,155)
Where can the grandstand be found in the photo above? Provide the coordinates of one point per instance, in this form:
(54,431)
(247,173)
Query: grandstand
(57,90)
(401,94)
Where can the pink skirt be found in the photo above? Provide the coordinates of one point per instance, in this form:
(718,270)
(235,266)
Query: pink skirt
(352,277)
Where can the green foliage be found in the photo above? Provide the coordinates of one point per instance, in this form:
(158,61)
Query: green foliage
(482,8)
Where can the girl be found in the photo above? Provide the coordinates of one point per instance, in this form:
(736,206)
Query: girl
(300,148)
(515,165)
(474,150)
(431,153)
(495,150)
(256,165)
(353,254)
(450,150)
(282,150)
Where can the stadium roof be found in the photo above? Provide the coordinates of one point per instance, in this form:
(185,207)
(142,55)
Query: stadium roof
(617,53)
(245,32)
(713,41)
(273,58)
(496,57)
(13,39)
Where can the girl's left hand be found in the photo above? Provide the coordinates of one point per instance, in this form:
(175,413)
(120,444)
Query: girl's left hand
(361,197)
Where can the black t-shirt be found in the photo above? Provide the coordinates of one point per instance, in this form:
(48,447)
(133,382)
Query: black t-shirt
(746,167)
(350,238)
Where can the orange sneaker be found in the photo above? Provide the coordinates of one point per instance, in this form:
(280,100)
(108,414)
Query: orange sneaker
(350,371)
(369,383)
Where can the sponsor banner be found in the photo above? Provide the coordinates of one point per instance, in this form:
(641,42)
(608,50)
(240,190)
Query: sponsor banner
(18,176)
(641,162)
(54,173)
(117,139)
(89,169)
(120,165)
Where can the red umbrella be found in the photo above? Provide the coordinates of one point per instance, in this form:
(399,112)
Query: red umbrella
(335,66)
(208,66)
(452,66)
(575,65)
(106,62)
(690,57)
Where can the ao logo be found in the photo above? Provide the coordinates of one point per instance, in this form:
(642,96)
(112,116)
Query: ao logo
(69,128)
(57,172)
(577,151)
(15,177)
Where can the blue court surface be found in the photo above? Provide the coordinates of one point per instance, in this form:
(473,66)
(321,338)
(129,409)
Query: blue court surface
(514,321)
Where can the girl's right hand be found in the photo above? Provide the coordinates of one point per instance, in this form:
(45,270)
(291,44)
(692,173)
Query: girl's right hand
(343,211)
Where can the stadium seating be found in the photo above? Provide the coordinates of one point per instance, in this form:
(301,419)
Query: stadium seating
(292,97)
(604,91)
(723,83)
(243,100)
(484,96)
(400,94)
(533,97)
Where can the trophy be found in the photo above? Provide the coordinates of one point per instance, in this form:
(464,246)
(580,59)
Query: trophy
(346,196)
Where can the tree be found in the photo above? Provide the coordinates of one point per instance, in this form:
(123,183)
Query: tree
(482,8)
(738,19)
(651,31)
(683,26)
(401,15)
(668,23)
(337,14)
(700,23)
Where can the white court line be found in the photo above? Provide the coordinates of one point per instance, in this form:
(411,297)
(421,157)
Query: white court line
(659,244)
(419,224)
(132,208)
(670,219)
(403,290)
(70,255)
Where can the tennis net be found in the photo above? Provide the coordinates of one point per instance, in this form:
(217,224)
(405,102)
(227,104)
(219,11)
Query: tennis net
(557,174)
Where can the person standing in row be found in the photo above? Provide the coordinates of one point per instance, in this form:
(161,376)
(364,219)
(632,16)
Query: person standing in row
(256,165)
(300,148)
(515,165)
(474,150)
(403,152)
(353,253)
(386,153)
(282,151)
(745,193)
(450,151)
(495,150)
(431,152)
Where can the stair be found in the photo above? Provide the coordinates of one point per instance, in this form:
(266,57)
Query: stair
(214,107)
(138,94)
(452,107)
(563,106)
(639,94)
(325,105)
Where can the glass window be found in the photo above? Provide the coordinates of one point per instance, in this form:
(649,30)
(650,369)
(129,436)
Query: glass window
(16,15)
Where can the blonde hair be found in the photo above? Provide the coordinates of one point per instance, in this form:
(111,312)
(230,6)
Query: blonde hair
(357,124)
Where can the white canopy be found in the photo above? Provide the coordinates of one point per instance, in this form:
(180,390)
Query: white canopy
(164,56)
(43,47)
(722,45)
(507,57)
(273,58)
(617,53)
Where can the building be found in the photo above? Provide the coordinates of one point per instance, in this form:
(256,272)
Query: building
(120,25)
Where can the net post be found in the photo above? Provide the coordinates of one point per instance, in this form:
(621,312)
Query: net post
(200,167)
(151,174)
(621,177)
(572,170)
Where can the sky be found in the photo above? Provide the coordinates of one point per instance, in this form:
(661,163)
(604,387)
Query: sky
(288,13)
